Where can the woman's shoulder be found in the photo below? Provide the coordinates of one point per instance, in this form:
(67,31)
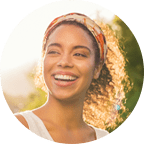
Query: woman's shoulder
(99,132)
(21,119)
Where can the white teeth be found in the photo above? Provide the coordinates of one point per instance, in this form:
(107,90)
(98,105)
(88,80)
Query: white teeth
(64,77)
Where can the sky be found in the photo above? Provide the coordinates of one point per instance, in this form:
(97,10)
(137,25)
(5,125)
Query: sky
(24,44)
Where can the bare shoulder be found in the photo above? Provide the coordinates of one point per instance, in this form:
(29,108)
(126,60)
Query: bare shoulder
(22,120)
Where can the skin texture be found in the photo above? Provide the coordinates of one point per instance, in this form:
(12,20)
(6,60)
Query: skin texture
(68,49)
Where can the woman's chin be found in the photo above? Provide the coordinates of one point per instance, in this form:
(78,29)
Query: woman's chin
(63,97)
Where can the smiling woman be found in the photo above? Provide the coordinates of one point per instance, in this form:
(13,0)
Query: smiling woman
(79,72)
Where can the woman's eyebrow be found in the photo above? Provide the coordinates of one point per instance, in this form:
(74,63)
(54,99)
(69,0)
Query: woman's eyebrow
(81,46)
(54,44)
(75,47)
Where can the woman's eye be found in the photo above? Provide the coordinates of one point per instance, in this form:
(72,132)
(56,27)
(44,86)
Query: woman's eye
(53,52)
(79,54)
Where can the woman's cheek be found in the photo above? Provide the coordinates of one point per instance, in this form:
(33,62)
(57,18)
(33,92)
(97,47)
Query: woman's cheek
(48,62)
(87,68)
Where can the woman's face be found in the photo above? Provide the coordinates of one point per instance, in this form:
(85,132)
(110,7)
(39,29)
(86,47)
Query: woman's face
(69,62)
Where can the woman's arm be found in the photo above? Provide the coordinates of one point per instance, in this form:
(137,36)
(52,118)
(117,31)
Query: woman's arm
(22,120)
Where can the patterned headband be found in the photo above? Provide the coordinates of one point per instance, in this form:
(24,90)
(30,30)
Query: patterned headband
(90,24)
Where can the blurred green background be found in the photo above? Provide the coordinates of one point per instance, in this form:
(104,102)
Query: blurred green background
(134,65)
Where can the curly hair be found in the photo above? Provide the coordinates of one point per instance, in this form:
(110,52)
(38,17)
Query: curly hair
(106,95)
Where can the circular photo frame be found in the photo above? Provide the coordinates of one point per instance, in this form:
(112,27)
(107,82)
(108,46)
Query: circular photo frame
(105,93)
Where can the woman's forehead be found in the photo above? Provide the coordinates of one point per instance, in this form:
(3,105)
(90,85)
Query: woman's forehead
(70,34)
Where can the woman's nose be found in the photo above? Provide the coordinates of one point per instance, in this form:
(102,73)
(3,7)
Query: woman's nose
(65,61)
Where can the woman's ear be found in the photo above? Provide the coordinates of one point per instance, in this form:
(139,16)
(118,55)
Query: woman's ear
(97,72)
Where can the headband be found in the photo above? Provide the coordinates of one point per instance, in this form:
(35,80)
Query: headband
(86,21)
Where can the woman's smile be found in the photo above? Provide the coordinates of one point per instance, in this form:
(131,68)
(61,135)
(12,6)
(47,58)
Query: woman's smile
(64,79)
(64,82)
(69,62)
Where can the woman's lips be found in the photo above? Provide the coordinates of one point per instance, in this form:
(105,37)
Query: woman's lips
(63,83)
(64,73)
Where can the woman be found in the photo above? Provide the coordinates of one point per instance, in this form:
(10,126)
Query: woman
(73,56)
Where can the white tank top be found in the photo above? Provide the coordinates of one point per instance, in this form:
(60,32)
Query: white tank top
(37,126)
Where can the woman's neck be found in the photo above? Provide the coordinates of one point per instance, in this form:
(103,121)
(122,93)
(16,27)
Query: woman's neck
(68,114)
